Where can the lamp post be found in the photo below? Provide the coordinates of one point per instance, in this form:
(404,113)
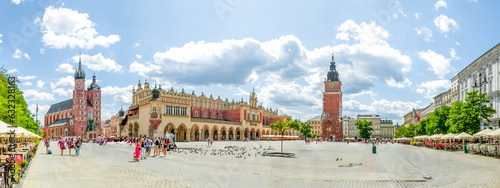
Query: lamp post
(481,82)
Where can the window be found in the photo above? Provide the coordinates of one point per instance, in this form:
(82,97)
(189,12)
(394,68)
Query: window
(96,95)
(154,109)
(204,115)
(196,114)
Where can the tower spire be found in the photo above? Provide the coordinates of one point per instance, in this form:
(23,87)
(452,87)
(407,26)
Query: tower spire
(80,74)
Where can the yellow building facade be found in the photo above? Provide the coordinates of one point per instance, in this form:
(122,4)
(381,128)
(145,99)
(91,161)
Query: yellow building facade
(156,112)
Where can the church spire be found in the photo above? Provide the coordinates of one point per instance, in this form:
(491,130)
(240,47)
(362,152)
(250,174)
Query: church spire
(80,74)
(333,75)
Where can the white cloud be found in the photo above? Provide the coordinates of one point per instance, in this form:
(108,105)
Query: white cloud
(121,94)
(242,92)
(438,63)
(18,54)
(470,1)
(40,83)
(98,63)
(426,32)
(439,4)
(17,1)
(42,110)
(12,71)
(445,24)
(137,44)
(27,84)
(395,16)
(65,67)
(34,95)
(67,82)
(26,77)
(457,43)
(235,62)
(138,56)
(453,54)
(42,51)
(63,27)
(417,15)
(391,108)
(1,39)
(432,88)
(63,92)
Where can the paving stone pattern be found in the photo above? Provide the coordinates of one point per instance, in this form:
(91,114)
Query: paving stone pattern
(314,165)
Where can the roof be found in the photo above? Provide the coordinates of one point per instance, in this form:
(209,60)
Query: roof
(64,105)
(89,104)
(471,64)
(60,122)
(317,118)
(107,123)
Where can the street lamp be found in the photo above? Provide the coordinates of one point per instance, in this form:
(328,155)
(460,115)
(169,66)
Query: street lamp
(481,82)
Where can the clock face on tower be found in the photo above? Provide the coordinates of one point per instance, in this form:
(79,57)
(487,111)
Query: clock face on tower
(332,85)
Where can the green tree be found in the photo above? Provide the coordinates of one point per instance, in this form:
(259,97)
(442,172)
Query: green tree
(365,128)
(437,121)
(410,131)
(421,127)
(305,129)
(281,127)
(23,116)
(400,133)
(464,116)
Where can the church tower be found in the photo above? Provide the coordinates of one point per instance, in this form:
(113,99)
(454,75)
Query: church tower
(332,105)
(94,106)
(79,102)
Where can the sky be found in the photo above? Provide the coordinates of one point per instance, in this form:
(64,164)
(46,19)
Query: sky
(392,56)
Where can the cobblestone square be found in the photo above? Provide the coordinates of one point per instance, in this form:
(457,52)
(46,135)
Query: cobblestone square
(315,165)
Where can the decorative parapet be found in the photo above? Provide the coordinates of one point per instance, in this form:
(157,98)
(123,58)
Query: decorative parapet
(214,121)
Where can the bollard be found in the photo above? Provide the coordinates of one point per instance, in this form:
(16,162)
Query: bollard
(465,149)
(374,149)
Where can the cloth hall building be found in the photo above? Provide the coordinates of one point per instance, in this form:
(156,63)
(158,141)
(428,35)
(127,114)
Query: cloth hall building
(156,112)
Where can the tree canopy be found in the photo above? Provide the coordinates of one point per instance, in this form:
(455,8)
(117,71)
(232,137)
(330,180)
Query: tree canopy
(365,128)
(281,127)
(23,116)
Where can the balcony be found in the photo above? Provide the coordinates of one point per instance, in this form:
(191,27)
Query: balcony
(133,116)
(217,121)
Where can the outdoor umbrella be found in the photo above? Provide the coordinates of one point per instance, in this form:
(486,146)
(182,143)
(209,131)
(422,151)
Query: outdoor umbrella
(464,136)
(483,133)
(437,136)
(494,134)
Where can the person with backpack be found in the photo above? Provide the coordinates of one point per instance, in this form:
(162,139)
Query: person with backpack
(157,147)
(78,144)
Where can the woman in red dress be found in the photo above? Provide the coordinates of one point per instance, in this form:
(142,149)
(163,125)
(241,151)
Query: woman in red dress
(137,150)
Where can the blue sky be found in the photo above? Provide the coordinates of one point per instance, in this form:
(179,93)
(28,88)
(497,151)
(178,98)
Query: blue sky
(392,56)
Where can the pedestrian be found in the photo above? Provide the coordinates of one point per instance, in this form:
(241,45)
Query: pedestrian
(137,150)
(61,145)
(148,146)
(70,145)
(157,147)
(165,146)
(143,148)
(78,144)
(47,145)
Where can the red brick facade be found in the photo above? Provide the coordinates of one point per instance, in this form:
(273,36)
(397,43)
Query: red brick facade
(332,105)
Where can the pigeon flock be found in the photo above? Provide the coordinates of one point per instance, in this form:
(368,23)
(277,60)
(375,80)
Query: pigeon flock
(236,151)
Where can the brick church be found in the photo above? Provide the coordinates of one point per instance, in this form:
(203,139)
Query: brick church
(78,116)
(332,105)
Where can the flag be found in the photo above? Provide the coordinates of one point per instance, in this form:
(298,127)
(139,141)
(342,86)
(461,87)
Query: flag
(416,115)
